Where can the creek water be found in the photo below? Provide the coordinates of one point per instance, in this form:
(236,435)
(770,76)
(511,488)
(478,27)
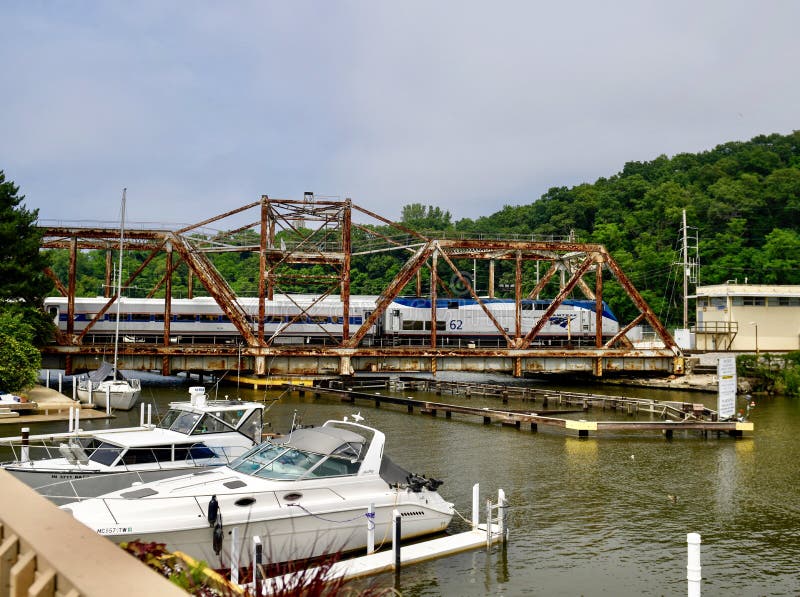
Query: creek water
(604,515)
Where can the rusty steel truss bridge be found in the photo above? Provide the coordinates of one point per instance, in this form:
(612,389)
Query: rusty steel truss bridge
(296,240)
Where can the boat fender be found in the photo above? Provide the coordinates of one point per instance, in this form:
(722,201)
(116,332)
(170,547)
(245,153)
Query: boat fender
(216,536)
(213,510)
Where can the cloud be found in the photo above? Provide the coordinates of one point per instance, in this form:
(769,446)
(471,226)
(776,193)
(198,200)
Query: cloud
(199,108)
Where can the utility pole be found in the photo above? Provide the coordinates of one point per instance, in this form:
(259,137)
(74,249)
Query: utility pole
(685,275)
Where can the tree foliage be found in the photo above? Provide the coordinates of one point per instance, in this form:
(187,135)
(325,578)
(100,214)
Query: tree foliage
(20,360)
(24,283)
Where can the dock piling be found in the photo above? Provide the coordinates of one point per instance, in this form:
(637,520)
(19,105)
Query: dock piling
(693,568)
(371,529)
(476,513)
(235,549)
(258,560)
(396,535)
(26,456)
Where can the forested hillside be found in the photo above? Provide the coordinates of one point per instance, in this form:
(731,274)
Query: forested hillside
(742,200)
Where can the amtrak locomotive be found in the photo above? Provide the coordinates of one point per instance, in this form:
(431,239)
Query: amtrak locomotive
(200,319)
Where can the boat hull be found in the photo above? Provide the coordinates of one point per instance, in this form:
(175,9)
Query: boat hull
(299,533)
(65,486)
(120,400)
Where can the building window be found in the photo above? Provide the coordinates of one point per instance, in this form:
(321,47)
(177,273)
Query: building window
(789,301)
(754,301)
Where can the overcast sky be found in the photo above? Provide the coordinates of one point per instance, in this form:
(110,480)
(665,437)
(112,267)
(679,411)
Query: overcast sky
(201,107)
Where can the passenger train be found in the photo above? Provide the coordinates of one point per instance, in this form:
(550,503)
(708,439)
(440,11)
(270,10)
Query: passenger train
(201,319)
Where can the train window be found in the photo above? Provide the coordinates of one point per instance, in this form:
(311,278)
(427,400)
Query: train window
(452,304)
(140,317)
(441,326)
(158,318)
(273,319)
(412,325)
(184,317)
(541,306)
(320,319)
(527,306)
(209,318)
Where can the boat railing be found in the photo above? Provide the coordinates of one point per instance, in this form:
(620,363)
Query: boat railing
(46,552)
(76,454)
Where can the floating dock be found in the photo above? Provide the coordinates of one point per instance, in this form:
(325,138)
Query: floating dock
(384,561)
(693,419)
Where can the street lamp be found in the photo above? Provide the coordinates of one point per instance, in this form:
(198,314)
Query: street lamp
(754,324)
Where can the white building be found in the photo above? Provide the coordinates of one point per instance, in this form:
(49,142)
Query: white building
(748,317)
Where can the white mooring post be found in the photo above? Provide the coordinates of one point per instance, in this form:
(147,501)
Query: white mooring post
(77,419)
(26,455)
(488,522)
(502,508)
(476,506)
(141,415)
(59,383)
(74,389)
(47,378)
(235,547)
(693,575)
(91,394)
(396,535)
(371,529)
(71,424)
(149,414)
(258,559)
(108,400)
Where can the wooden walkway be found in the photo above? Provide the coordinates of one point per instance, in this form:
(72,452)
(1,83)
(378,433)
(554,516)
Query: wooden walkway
(676,416)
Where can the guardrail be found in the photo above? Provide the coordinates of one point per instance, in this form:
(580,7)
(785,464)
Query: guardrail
(45,552)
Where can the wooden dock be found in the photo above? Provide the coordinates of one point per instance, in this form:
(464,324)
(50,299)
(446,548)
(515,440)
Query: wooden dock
(46,405)
(676,416)
(384,561)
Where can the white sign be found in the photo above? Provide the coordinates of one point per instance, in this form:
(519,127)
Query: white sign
(726,399)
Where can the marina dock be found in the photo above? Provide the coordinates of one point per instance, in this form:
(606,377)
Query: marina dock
(46,405)
(675,416)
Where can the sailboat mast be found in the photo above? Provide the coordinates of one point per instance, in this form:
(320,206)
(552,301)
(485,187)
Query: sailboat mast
(119,282)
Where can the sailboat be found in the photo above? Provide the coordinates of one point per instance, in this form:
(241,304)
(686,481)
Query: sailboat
(106,384)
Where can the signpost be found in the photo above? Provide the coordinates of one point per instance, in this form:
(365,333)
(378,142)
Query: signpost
(726,399)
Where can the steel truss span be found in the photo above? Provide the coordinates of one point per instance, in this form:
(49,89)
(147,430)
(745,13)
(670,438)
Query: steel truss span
(430,313)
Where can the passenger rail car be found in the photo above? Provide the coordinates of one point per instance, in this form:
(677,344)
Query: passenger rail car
(202,320)
(464,318)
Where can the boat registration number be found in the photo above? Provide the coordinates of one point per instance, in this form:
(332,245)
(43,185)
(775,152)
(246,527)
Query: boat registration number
(114,530)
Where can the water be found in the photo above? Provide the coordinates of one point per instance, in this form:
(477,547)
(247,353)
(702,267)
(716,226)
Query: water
(589,516)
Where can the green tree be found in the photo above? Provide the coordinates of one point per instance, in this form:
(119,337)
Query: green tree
(24,283)
(20,360)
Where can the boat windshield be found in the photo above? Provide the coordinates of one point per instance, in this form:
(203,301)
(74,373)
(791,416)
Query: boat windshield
(275,461)
(179,420)
(105,453)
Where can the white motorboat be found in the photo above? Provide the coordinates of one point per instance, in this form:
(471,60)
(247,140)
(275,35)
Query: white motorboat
(105,384)
(196,434)
(305,495)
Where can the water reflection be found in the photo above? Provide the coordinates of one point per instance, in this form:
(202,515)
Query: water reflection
(603,515)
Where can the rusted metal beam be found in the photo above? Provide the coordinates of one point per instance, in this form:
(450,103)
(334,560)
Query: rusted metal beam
(482,305)
(99,315)
(216,218)
(598,303)
(392,290)
(216,286)
(73,260)
(107,287)
(346,231)
(262,267)
(58,284)
(556,303)
(620,335)
(392,224)
(641,304)
(544,281)
(167,302)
